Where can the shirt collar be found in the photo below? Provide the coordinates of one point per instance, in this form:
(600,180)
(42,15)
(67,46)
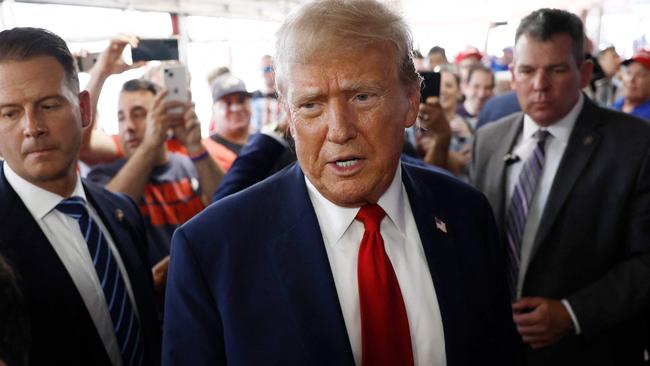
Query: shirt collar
(339,218)
(560,130)
(39,202)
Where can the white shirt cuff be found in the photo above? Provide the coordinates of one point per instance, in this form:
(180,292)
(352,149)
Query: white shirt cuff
(574,319)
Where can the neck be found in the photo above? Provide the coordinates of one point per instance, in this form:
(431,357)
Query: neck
(63,186)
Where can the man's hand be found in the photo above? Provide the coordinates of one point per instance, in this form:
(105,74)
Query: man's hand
(159,272)
(432,118)
(540,321)
(110,61)
(189,132)
(435,135)
(162,117)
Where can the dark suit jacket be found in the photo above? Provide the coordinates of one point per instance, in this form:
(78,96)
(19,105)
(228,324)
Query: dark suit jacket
(62,331)
(592,246)
(250,282)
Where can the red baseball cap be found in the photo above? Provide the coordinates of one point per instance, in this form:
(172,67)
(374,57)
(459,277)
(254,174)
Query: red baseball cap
(468,52)
(641,56)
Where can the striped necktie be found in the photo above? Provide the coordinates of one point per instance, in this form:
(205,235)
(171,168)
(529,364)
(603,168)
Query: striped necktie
(519,206)
(125,321)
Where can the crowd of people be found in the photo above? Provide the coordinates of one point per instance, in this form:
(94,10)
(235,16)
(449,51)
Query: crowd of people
(331,217)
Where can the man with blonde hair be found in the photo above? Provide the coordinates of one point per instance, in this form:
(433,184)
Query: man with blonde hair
(356,258)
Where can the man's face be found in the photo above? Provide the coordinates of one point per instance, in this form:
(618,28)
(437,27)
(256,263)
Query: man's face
(546,77)
(636,83)
(436,59)
(348,118)
(232,113)
(41,118)
(132,111)
(479,89)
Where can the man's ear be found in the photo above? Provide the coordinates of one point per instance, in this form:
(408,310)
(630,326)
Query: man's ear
(85,109)
(414,105)
(585,73)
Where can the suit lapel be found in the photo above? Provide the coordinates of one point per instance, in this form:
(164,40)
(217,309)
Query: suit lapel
(496,184)
(442,261)
(582,143)
(302,265)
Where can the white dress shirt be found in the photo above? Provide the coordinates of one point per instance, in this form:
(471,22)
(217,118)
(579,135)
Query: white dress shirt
(64,234)
(556,144)
(342,236)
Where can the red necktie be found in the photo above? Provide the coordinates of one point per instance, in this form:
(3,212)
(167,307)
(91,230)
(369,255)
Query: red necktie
(385,335)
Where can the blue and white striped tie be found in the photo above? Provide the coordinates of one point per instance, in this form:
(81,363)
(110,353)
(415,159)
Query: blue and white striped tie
(519,206)
(125,321)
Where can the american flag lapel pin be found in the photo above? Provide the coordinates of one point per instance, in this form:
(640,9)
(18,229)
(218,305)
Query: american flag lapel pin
(119,214)
(440,225)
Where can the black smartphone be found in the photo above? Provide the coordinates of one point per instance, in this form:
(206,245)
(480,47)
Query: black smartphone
(87,62)
(430,85)
(158,49)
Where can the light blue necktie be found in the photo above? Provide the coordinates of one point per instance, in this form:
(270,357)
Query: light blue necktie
(125,321)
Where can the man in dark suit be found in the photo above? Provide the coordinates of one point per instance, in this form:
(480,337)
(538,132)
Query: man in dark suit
(569,183)
(354,258)
(79,251)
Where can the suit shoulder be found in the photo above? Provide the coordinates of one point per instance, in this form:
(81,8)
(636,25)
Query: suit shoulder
(441,184)
(111,199)
(257,200)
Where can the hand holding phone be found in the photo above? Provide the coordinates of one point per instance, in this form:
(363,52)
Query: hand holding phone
(430,85)
(158,49)
(176,83)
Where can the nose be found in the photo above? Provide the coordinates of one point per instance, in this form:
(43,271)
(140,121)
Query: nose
(235,107)
(342,123)
(540,80)
(34,125)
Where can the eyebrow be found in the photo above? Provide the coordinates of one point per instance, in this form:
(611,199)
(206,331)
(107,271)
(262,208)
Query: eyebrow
(40,100)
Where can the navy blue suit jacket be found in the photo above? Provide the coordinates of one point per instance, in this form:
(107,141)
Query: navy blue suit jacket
(250,282)
(61,328)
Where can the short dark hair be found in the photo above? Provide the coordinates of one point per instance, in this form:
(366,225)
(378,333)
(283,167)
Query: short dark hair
(438,50)
(140,85)
(479,68)
(14,321)
(543,24)
(23,43)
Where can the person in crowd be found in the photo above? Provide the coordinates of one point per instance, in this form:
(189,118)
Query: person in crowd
(14,320)
(80,250)
(460,131)
(170,188)
(464,61)
(607,87)
(501,63)
(437,57)
(498,107)
(569,183)
(416,278)
(211,77)
(231,112)
(266,109)
(636,86)
(480,87)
